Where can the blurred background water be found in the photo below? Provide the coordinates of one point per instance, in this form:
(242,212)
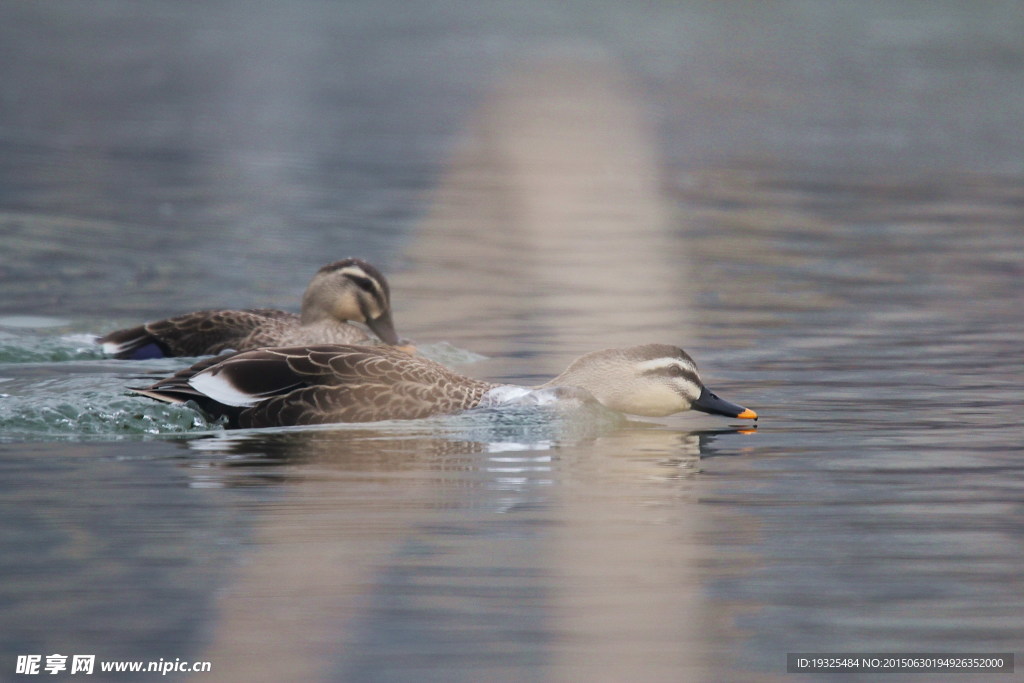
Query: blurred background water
(822,201)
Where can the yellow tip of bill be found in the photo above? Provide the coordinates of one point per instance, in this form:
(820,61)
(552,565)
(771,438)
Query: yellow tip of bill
(748,414)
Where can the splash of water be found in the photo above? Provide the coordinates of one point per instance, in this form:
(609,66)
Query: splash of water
(19,346)
(63,387)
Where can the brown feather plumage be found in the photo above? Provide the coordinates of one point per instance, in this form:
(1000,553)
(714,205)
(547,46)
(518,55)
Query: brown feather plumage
(327,384)
(346,290)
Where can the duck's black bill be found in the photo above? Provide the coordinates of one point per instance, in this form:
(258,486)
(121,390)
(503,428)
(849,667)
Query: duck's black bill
(384,328)
(709,403)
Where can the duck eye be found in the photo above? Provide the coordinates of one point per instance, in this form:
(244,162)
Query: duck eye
(364,283)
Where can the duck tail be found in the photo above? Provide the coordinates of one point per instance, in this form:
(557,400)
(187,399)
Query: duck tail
(133,343)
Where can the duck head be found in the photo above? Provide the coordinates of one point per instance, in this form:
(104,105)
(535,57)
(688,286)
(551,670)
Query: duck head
(350,289)
(652,380)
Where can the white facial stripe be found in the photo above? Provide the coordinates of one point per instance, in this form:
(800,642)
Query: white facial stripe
(217,387)
(359,276)
(678,371)
(664,364)
(354,270)
(692,390)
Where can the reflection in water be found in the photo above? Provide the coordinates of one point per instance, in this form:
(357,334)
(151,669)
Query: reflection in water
(246,458)
(374,522)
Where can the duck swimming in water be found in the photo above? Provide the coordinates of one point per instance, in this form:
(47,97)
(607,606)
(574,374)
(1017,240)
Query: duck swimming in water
(347,290)
(323,384)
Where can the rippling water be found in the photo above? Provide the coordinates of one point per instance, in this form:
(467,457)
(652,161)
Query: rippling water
(827,215)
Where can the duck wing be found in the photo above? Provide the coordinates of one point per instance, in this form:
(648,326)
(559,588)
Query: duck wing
(200,333)
(320,385)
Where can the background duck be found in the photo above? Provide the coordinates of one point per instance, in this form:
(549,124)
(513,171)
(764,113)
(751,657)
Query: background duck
(330,383)
(343,291)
